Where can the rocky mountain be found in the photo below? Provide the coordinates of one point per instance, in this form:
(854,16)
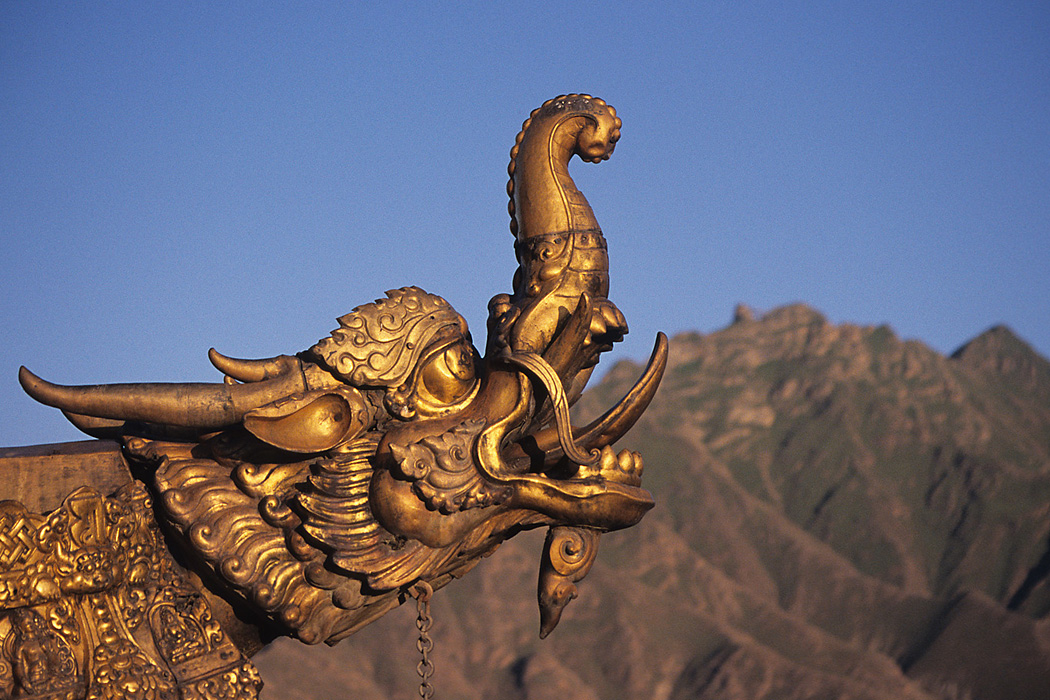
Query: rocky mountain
(841,514)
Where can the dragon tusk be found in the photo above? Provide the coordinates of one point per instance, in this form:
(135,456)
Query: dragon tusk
(618,419)
(621,417)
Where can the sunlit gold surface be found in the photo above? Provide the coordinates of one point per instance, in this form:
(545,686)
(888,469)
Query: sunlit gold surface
(314,490)
(94,607)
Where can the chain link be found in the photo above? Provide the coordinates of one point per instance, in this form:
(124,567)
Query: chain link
(425,668)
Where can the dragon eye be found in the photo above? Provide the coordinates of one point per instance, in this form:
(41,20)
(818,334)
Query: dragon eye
(449,376)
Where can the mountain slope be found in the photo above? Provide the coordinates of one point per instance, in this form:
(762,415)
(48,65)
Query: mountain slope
(840,514)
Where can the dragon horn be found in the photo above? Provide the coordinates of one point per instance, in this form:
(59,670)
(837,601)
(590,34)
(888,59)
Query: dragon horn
(183,405)
(252,370)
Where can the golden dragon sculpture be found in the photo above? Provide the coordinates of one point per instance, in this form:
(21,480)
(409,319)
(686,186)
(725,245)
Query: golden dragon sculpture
(307,494)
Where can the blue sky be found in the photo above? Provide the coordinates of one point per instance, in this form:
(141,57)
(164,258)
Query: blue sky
(176,176)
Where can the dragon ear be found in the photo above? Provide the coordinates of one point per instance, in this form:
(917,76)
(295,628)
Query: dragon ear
(314,422)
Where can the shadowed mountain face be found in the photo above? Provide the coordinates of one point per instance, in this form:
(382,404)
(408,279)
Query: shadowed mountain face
(840,514)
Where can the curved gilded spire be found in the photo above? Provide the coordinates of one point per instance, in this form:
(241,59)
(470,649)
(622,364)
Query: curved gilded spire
(561,251)
(543,197)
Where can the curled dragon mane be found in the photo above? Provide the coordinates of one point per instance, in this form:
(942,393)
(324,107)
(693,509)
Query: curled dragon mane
(297,539)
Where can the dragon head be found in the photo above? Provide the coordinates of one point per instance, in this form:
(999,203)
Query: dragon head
(319,487)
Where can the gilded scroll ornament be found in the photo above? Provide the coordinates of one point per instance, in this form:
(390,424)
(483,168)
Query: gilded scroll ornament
(308,494)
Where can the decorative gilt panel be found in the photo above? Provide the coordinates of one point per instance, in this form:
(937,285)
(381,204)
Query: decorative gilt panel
(93,606)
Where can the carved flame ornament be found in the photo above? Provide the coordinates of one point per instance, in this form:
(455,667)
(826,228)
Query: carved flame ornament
(308,494)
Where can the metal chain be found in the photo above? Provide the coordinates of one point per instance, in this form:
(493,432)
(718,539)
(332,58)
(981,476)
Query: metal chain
(425,668)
